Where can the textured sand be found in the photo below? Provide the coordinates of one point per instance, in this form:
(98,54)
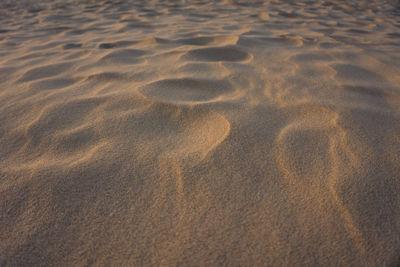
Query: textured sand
(211,133)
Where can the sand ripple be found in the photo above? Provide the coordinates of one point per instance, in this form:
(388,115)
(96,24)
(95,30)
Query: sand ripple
(220,133)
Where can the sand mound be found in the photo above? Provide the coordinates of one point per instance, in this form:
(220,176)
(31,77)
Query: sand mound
(221,133)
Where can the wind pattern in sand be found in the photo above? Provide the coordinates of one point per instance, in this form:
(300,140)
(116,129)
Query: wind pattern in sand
(218,133)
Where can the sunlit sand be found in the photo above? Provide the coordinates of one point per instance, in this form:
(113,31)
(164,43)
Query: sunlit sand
(200,133)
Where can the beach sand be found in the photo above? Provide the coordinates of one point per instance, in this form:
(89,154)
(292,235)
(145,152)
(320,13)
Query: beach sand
(199,133)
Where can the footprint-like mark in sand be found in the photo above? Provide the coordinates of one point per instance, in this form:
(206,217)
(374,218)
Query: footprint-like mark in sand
(303,145)
(71,46)
(207,70)
(178,133)
(182,138)
(210,40)
(179,137)
(53,83)
(186,90)
(201,134)
(212,54)
(271,41)
(124,56)
(313,151)
(108,77)
(45,72)
(118,44)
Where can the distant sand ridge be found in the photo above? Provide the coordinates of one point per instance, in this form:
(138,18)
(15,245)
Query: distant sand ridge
(221,133)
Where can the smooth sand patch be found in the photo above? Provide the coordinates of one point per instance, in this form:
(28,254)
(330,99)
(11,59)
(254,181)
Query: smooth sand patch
(190,91)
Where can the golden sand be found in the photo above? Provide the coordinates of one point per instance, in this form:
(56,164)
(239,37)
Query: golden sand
(210,133)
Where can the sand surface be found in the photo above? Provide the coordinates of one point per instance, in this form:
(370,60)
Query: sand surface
(210,133)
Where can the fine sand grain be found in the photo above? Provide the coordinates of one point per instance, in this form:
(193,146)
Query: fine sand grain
(199,133)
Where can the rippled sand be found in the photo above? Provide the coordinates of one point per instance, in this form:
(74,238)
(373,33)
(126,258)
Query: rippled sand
(211,133)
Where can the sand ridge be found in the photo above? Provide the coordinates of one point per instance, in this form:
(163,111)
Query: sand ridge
(221,133)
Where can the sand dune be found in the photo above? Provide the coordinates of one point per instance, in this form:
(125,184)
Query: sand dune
(221,133)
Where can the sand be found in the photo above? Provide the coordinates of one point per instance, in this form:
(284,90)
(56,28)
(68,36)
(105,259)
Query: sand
(199,133)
